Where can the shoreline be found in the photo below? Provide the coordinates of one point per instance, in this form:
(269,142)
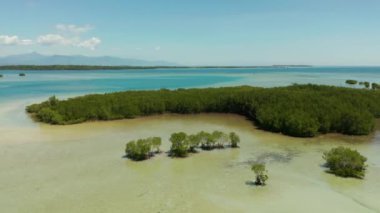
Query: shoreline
(212,118)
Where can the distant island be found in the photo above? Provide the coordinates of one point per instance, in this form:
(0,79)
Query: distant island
(37,61)
(95,67)
(35,58)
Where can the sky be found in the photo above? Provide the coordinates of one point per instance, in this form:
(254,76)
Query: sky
(197,32)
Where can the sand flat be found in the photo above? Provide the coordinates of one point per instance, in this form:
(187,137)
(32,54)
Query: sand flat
(79,168)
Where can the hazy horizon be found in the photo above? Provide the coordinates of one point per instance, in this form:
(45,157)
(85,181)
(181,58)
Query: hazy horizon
(223,32)
(169,63)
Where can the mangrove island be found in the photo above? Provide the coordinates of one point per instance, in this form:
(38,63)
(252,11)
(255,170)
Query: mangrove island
(297,110)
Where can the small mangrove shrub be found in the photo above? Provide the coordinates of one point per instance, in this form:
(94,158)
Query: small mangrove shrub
(261,174)
(142,149)
(235,139)
(156,143)
(351,82)
(21,74)
(180,145)
(216,139)
(366,84)
(193,142)
(375,86)
(345,162)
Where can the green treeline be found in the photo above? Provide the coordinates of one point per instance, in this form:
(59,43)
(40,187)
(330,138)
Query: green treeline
(298,110)
(182,143)
(366,84)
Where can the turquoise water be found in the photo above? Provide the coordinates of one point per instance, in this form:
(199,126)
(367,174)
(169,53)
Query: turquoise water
(42,84)
(79,168)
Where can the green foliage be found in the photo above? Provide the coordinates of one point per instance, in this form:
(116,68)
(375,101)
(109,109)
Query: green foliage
(217,139)
(223,140)
(142,148)
(53,101)
(261,173)
(22,74)
(366,84)
(49,116)
(1,75)
(209,141)
(234,139)
(193,142)
(156,143)
(298,110)
(345,162)
(180,145)
(301,124)
(206,140)
(375,86)
(352,82)
(362,123)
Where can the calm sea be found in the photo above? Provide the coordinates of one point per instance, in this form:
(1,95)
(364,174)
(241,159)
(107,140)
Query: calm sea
(42,84)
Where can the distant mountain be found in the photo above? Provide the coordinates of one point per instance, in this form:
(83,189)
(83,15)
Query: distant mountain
(38,59)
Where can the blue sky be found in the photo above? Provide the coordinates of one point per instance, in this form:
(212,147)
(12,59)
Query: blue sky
(197,32)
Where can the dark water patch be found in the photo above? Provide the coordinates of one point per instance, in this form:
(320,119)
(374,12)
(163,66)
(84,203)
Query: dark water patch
(253,183)
(269,157)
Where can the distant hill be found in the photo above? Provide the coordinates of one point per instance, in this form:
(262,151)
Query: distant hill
(39,59)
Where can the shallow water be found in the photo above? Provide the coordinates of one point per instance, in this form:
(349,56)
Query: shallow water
(80,169)
(69,83)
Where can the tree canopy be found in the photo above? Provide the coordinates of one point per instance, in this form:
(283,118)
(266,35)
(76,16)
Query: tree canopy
(297,110)
(142,149)
(183,143)
(235,139)
(352,82)
(180,145)
(261,173)
(345,162)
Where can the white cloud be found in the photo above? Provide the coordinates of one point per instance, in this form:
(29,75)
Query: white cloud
(91,43)
(69,35)
(54,39)
(158,48)
(72,28)
(14,40)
